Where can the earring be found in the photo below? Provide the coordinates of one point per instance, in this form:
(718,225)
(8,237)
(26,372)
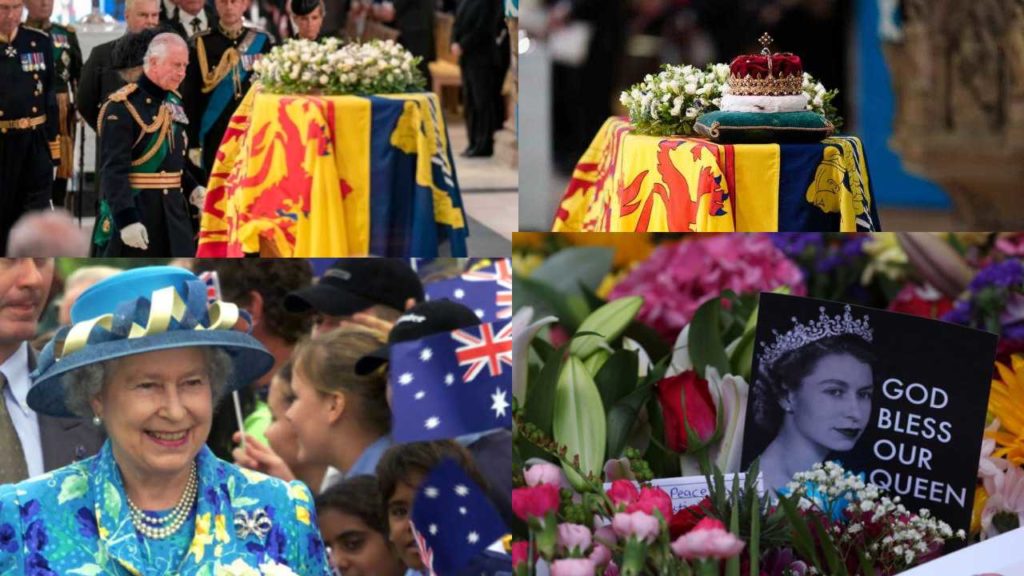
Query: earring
(97,421)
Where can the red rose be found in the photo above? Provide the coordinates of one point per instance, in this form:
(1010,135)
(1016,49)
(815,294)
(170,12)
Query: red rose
(535,502)
(686,400)
(652,499)
(623,492)
(685,520)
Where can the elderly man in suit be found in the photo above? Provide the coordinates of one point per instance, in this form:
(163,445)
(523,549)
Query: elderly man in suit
(30,443)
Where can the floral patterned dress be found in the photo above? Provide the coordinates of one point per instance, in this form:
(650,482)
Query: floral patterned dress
(76,520)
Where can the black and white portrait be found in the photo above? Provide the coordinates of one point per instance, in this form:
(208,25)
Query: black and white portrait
(898,398)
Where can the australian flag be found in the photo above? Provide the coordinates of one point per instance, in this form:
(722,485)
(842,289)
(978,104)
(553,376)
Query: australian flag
(450,384)
(452,520)
(487,290)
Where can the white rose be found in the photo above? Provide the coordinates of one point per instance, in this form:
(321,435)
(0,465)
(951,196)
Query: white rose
(818,102)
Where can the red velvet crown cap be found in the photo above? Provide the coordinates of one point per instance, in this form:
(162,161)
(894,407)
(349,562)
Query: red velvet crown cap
(756,65)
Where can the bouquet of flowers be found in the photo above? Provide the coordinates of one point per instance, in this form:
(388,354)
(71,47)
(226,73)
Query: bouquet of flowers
(329,67)
(668,103)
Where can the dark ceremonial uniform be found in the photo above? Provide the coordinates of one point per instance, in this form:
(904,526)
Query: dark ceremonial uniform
(415,21)
(67,70)
(480,31)
(219,75)
(176,22)
(28,126)
(142,132)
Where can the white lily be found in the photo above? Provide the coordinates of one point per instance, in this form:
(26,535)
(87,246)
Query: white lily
(730,393)
(522,333)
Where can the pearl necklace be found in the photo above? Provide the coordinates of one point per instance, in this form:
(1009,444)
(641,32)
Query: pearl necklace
(160,528)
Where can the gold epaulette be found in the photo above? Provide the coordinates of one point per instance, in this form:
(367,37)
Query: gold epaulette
(121,94)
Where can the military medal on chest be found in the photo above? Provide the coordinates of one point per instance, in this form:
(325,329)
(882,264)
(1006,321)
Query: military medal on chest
(11,51)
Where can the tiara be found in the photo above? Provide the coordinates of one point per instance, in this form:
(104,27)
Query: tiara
(823,327)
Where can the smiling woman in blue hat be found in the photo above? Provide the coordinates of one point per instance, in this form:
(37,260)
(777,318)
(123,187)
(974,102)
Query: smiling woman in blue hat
(146,358)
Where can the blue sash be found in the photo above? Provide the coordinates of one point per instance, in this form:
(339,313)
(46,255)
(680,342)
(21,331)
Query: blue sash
(225,91)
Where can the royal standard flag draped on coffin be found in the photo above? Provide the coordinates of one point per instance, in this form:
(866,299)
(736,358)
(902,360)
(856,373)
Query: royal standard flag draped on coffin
(333,176)
(627,182)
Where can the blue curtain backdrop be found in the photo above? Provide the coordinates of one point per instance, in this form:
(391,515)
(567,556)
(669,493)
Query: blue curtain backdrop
(892,186)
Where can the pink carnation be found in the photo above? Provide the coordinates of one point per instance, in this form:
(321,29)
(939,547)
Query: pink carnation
(680,276)
(708,539)
(623,492)
(573,536)
(652,499)
(572,567)
(640,525)
(543,473)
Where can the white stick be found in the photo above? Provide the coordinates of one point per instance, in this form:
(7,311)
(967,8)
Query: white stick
(238,416)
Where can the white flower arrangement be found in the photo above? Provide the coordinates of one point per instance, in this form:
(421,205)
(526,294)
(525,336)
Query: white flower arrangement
(330,67)
(668,103)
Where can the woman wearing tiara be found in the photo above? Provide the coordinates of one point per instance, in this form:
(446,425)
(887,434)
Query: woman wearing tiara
(813,391)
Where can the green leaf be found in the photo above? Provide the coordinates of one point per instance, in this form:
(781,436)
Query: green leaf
(111,501)
(543,348)
(801,533)
(540,394)
(732,565)
(566,270)
(244,502)
(648,339)
(866,567)
(754,543)
(545,300)
(828,547)
(579,421)
(74,486)
(618,376)
(706,348)
(606,323)
(87,570)
(621,419)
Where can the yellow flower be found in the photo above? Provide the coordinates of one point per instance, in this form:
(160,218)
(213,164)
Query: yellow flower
(980,497)
(524,264)
(887,258)
(302,514)
(220,531)
(298,492)
(202,537)
(1005,403)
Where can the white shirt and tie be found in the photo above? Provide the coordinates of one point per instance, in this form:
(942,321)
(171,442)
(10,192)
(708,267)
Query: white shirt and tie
(15,395)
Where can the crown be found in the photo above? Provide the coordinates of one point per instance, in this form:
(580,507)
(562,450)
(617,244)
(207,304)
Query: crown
(823,327)
(767,73)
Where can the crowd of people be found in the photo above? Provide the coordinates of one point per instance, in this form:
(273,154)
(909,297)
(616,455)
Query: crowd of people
(161,96)
(150,411)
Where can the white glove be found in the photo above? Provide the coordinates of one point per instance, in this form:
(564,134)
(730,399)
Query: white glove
(135,235)
(198,196)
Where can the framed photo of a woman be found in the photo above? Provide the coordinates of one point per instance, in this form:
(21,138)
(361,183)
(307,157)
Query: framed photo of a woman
(813,389)
(898,398)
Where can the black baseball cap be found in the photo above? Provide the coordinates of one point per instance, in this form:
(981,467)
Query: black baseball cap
(354,284)
(420,321)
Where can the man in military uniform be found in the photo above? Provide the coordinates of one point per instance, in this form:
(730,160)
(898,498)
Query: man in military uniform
(219,75)
(480,41)
(28,118)
(67,69)
(142,130)
(415,22)
(188,17)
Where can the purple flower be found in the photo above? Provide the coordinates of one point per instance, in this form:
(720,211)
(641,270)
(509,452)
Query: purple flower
(35,536)
(795,244)
(86,522)
(8,541)
(1003,274)
(29,510)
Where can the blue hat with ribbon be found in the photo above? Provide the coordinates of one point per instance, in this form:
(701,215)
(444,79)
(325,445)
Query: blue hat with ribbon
(144,310)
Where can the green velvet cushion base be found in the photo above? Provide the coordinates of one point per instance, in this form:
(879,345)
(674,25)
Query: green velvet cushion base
(763,127)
